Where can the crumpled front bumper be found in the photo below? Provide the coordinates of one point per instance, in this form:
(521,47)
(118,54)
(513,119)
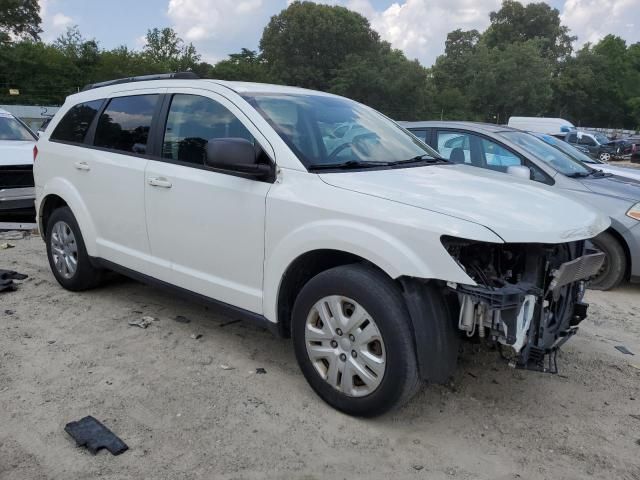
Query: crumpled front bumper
(519,316)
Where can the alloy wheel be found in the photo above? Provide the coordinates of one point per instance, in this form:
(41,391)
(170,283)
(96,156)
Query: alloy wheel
(64,249)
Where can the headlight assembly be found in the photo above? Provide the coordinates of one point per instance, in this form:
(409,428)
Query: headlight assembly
(634,212)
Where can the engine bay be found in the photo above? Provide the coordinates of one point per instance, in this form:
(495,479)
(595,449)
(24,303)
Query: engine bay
(527,300)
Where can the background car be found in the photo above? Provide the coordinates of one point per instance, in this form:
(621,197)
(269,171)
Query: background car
(17,193)
(507,150)
(598,144)
(576,154)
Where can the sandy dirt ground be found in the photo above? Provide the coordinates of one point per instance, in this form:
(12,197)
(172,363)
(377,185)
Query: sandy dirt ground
(65,355)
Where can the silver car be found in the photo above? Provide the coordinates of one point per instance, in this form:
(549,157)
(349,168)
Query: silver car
(507,150)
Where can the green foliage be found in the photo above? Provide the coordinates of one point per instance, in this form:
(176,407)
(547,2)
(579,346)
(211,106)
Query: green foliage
(386,81)
(307,42)
(247,66)
(522,64)
(166,49)
(516,23)
(20,18)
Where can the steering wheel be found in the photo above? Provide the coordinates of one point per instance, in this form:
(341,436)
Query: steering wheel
(353,143)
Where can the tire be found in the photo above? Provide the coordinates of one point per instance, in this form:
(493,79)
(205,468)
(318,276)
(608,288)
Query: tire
(64,245)
(605,156)
(614,269)
(355,287)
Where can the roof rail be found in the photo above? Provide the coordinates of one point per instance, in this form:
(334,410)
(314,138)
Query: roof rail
(142,78)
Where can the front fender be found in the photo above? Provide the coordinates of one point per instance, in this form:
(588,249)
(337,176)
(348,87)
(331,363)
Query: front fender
(381,248)
(68,192)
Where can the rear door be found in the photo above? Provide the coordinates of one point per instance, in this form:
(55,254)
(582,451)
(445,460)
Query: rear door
(112,176)
(206,227)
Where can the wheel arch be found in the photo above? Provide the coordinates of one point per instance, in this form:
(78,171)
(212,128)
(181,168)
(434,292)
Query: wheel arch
(60,193)
(302,269)
(627,252)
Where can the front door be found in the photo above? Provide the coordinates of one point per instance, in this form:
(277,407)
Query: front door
(206,228)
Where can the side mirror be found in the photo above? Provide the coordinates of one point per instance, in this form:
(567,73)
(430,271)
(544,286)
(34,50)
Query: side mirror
(235,154)
(519,171)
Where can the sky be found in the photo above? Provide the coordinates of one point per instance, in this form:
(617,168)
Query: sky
(220,27)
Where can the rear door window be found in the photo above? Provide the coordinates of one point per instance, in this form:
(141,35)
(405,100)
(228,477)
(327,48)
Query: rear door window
(74,125)
(125,124)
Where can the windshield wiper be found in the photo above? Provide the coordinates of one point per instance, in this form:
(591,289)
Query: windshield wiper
(351,164)
(578,175)
(427,159)
(599,173)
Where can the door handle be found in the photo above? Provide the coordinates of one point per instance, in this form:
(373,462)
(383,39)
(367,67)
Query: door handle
(82,166)
(159,182)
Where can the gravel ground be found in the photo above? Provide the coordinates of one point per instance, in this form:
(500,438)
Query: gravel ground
(65,355)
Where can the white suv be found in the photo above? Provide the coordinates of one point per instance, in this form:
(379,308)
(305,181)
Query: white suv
(375,255)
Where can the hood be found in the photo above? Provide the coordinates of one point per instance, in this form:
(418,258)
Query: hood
(616,187)
(516,210)
(625,172)
(16,152)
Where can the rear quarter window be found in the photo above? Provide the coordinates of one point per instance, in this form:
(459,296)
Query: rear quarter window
(74,125)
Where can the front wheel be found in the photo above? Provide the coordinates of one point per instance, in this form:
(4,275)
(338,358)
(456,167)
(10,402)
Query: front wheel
(353,341)
(613,270)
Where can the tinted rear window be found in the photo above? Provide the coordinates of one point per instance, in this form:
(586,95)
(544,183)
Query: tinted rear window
(125,123)
(74,125)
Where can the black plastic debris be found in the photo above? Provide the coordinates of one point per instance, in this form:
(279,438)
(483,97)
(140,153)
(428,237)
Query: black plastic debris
(260,370)
(623,349)
(89,432)
(6,280)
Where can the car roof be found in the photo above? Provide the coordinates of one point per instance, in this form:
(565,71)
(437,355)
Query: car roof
(238,87)
(5,112)
(473,126)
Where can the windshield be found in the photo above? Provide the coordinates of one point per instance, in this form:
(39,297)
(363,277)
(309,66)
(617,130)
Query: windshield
(602,139)
(12,129)
(554,157)
(568,149)
(325,130)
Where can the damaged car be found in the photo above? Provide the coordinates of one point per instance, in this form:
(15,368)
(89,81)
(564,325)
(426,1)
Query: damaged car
(375,254)
(17,193)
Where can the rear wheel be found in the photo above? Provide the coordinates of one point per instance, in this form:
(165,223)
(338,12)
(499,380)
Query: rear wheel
(613,270)
(353,341)
(67,254)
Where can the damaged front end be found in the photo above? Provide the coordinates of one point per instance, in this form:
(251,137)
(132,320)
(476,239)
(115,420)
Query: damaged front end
(528,297)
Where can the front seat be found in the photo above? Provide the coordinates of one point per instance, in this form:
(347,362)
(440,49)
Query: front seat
(457,155)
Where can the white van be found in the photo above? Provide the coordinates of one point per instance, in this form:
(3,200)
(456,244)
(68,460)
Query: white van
(551,126)
(373,252)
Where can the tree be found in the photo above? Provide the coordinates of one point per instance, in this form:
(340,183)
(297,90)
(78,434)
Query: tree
(513,81)
(601,84)
(305,43)
(248,66)
(164,47)
(515,23)
(20,18)
(386,81)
